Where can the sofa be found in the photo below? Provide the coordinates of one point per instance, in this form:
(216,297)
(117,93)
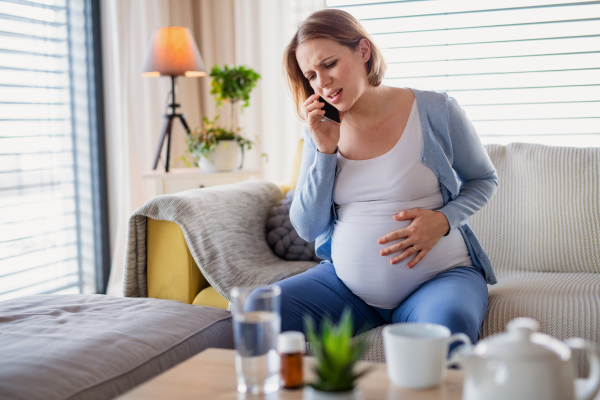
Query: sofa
(541,232)
(96,347)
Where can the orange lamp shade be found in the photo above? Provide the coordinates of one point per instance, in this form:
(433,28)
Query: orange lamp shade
(173,51)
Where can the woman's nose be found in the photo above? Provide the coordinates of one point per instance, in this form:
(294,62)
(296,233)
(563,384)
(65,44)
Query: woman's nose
(323,80)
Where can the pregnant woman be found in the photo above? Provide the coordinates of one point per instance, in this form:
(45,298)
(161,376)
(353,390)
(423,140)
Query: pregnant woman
(386,194)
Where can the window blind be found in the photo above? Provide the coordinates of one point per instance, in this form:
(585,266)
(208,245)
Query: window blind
(48,191)
(523,70)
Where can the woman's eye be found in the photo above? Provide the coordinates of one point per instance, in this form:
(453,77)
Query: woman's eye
(327,66)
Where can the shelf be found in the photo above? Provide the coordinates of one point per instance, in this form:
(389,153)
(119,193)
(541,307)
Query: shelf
(195,173)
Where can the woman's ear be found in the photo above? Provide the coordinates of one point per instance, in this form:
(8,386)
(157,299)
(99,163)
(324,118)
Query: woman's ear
(364,47)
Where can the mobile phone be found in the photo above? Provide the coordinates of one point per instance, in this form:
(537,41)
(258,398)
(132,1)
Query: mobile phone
(331,113)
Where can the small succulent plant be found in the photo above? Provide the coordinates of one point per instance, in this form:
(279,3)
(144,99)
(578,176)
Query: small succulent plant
(336,353)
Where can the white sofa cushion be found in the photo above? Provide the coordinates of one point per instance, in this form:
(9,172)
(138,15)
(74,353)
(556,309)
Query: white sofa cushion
(545,215)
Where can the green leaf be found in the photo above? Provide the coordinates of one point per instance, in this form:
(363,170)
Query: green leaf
(203,141)
(232,83)
(336,352)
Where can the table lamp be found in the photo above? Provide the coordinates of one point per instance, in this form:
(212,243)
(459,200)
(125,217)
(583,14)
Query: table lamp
(173,52)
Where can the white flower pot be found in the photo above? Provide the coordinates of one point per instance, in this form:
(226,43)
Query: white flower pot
(227,156)
(312,394)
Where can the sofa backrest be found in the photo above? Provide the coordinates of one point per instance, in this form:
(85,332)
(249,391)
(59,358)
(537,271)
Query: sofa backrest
(545,215)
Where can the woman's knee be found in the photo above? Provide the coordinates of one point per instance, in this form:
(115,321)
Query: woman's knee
(456,299)
(291,310)
(456,317)
(302,296)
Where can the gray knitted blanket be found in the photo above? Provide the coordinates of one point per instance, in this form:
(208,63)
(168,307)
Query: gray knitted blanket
(225,230)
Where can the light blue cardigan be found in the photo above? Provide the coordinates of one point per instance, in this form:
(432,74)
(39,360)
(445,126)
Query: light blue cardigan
(451,149)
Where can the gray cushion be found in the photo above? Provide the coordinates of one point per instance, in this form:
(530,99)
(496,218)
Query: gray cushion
(97,347)
(282,236)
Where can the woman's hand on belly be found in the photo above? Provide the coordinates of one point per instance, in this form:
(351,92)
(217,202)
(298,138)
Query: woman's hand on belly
(424,232)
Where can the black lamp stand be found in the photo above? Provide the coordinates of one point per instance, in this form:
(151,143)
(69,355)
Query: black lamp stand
(168,126)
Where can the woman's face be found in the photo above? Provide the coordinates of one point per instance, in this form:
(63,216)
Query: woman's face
(333,69)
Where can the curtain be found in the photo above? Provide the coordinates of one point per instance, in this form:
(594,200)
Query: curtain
(134,109)
(264,28)
(253,33)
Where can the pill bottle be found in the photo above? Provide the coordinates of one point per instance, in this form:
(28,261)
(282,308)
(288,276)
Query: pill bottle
(291,346)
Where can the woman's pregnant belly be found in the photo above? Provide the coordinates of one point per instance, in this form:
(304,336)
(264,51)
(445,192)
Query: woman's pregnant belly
(356,254)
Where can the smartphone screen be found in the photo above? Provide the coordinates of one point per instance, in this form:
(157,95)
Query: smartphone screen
(331,113)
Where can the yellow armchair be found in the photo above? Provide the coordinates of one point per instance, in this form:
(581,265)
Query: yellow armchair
(172,271)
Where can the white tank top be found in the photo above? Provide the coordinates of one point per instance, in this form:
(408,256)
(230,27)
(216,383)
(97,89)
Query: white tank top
(367,193)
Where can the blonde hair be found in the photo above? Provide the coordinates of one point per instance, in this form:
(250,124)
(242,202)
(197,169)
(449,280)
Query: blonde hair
(332,24)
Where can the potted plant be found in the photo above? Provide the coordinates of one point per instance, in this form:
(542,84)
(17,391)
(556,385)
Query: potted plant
(216,148)
(336,354)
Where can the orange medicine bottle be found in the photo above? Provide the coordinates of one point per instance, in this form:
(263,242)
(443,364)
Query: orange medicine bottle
(291,347)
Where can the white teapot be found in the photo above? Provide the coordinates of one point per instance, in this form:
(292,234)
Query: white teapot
(524,364)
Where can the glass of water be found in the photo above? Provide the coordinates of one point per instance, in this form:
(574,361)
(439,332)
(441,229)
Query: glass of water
(256,324)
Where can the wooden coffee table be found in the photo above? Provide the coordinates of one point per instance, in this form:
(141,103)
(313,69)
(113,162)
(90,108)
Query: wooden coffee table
(211,375)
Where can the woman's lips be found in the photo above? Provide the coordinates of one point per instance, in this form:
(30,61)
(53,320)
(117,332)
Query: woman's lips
(336,98)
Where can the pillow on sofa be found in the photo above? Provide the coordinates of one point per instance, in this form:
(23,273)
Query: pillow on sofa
(283,238)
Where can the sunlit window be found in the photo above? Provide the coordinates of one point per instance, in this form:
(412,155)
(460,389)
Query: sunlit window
(523,70)
(47,127)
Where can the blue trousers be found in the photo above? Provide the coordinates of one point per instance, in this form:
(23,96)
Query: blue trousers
(456,298)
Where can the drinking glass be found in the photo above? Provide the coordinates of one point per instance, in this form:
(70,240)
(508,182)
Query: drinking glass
(256,324)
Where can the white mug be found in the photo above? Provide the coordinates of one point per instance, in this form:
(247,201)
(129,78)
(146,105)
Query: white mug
(416,353)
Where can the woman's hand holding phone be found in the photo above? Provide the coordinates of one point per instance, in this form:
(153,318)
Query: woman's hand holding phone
(326,134)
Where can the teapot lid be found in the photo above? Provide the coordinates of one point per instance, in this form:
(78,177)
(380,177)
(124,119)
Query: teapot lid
(522,343)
